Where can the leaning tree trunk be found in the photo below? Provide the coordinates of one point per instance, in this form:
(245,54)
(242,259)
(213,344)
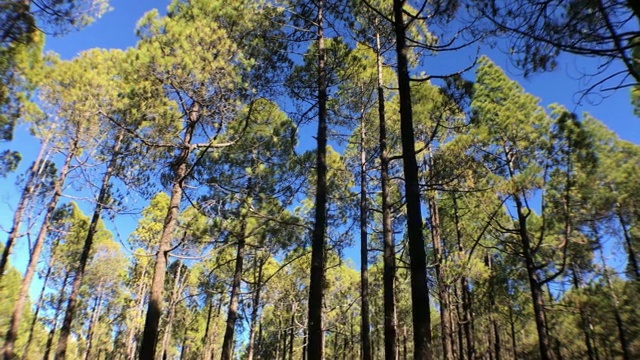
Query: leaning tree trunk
(316,291)
(27,192)
(154,309)
(52,258)
(23,294)
(72,302)
(389,251)
(420,309)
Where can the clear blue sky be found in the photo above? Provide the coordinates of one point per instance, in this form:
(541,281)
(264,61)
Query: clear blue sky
(116,30)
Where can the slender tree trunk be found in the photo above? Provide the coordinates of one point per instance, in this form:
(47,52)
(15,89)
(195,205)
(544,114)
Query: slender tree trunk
(622,334)
(255,307)
(26,195)
(23,294)
(443,291)
(389,251)
(154,309)
(45,282)
(631,254)
(97,309)
(292,324)
(365,336)
(514,345)
(418,266)
(544,342)
(206,354)
(134,328)
(316,291)
(232,314)
(65,330)
(175,294)
(52,331)
(584,321)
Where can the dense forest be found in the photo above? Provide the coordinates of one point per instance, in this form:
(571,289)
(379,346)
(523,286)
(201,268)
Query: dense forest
(435,215)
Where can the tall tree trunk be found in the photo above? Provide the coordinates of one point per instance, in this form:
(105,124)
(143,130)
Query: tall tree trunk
(292,324)
(103,196)
(45,282)
(95,316)
(206,353)
(175,294)
(26,195)
(632,257)
(389,251)
(544,342)
(52,331)
(443,291)
(365,336)
(316,291)
(622,334)
(133,330)
(154,309)
(25,285)
(255,307)
(514,345)
(418,266)
(584,321)
(232,313)
(464,287)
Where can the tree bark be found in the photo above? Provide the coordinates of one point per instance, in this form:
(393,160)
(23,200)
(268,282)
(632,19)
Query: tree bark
(23,294)
(154,309)
(175,294)
(316,291)
(232,313)
(65,330)
(443,291)
(52,258)
(255,308)
(27,192)
(389,251)
(418,266)
(97,309)
(365,336)
(52,331)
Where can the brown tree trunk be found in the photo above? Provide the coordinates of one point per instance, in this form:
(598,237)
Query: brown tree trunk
(175,295)
(95,316)
(134,328)
(419,289)
(365,336)
(292,324)
(389,251)
(544,342)
(206,354)
(154,309)
(103,196)
(316,291)
(52,258)
(622,334)
(255,307)
(232,313)
(632,257)
(56,315)
(23,294)
(27,192)
(443,291)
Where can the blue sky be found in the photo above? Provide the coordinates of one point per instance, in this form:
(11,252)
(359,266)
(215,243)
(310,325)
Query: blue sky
(116,30)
